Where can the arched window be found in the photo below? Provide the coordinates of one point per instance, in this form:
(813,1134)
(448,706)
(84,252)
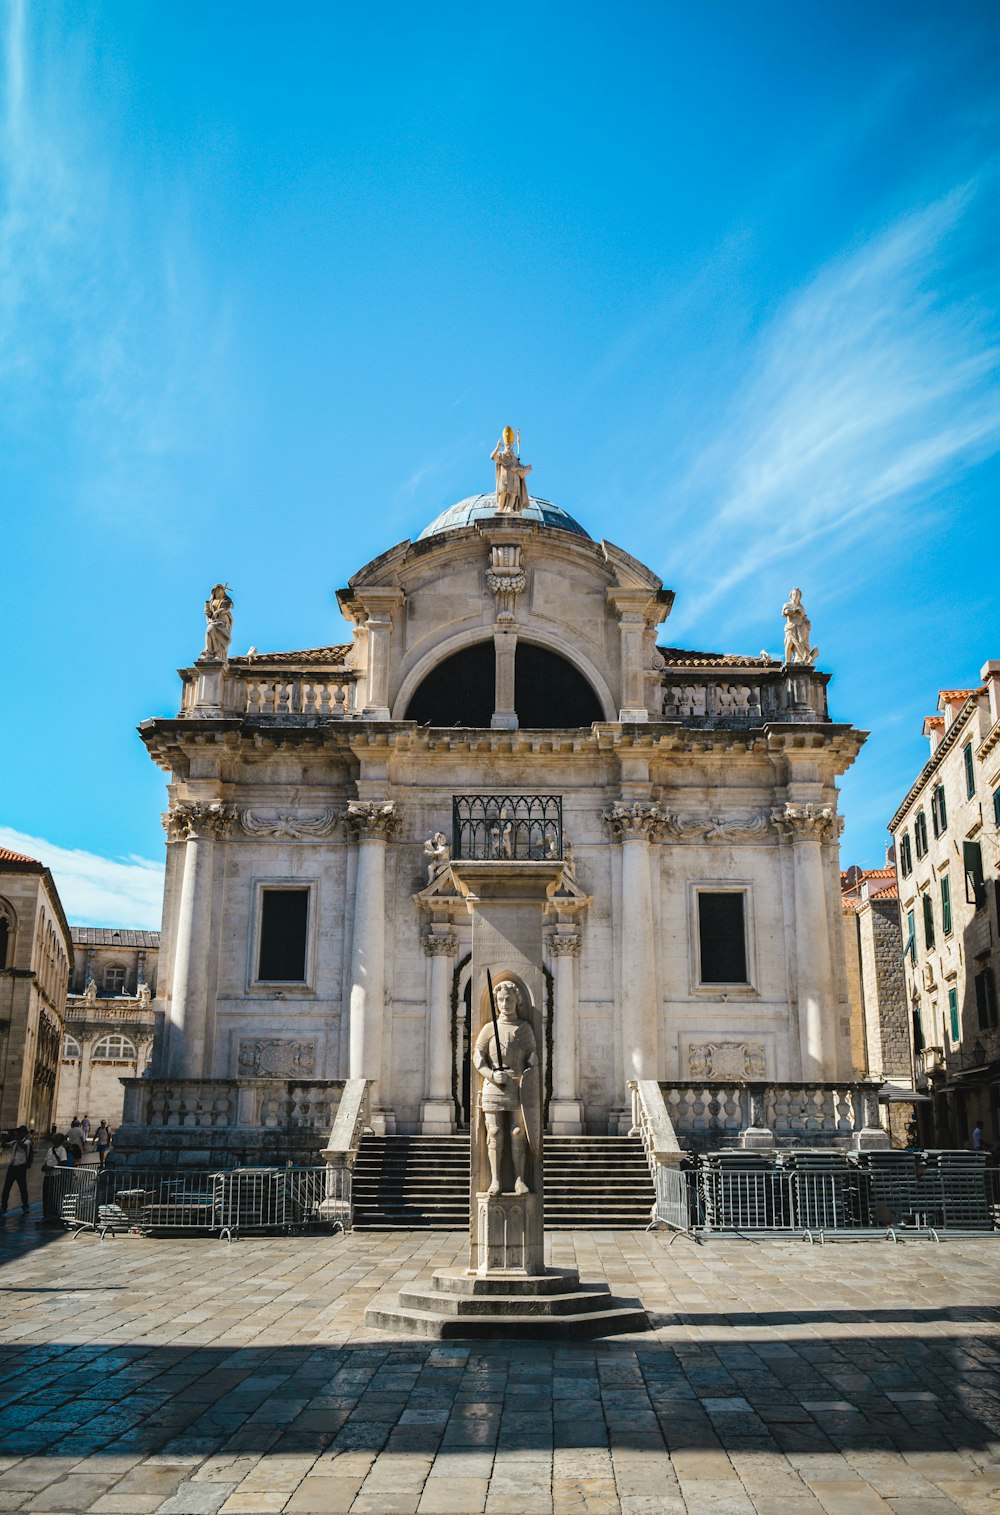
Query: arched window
(114,1049)
(114,979)
(71,1047)
(549,692)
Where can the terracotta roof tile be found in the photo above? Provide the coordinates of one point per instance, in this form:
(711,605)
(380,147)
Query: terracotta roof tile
(6,856)
(960,694)
(933,720)
(319,655)
(682,657)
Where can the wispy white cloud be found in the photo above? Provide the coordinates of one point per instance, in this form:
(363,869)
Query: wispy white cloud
(97,891)
(871,388)
(105,325)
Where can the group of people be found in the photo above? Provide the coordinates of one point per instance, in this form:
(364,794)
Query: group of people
(65,1150)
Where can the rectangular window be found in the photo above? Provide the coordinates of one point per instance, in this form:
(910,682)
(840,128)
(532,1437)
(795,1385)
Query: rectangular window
(918,1030)
(986,1000)
(946,904)
(975,888)
(996,806)
(928,921)
(284,915)
(722,937)
(970,771)
(910,948)
(905,855)
(953,1013)
(920,833)
(939,812)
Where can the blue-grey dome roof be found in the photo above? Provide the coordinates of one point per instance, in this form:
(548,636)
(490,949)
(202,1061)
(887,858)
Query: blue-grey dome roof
(478,506)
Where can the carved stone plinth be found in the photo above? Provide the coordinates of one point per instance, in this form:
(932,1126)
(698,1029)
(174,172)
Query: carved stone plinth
(509,1233)
(459,1305)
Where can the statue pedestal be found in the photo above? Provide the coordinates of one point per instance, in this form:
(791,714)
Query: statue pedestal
(509,1234)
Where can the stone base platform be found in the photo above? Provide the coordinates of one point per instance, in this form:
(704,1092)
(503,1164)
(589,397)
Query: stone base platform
(475,1306)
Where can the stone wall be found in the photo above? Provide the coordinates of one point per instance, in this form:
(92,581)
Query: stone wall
(886,1018)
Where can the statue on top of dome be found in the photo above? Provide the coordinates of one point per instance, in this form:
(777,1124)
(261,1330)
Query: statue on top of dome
(512,488)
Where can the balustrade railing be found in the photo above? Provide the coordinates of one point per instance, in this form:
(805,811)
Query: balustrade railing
(507,827)
(299,697)
(255,1104)
(710,1112)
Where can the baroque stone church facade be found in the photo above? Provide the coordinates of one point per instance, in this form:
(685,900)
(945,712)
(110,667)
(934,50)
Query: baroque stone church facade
(508,703)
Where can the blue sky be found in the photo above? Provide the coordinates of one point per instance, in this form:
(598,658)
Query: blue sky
(272,278)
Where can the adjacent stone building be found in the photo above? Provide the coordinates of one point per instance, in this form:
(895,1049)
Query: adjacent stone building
(109,1021)
(880,1031)
(946,841)
(507,699)
(35,959)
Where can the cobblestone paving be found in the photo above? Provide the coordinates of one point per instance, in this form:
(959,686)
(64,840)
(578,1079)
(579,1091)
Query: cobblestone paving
(192,1377)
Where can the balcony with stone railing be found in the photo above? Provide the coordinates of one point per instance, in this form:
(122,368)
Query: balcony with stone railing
(740,692)
(196,1120)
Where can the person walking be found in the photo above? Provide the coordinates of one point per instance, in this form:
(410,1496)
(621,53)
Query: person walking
(22,1155)
(75,1141)
(55,1158)
(978,1136)
(85,1128)
(102,1141)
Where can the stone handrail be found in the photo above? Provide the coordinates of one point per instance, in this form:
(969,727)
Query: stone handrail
(221,1103)
(653,1123)
(349,1125)
(800,1112)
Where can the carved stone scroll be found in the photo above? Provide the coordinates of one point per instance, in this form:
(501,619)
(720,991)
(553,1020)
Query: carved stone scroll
(294,826)
(276,1057)
(738,1060)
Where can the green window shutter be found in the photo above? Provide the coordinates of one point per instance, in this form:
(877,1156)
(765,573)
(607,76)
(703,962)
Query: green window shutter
(996,806)
(942,809)
(972,860)
(928,921)
(946,904)
(910,949)
(953,1012)
(970,771)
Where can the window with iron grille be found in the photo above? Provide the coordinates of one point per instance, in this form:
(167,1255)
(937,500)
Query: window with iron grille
(722,936)
(281,953)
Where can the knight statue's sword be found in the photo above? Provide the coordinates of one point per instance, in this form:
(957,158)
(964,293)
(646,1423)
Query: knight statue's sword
(496,1028)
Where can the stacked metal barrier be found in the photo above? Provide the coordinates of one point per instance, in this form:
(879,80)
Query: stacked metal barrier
(817,1194)
(179,1202)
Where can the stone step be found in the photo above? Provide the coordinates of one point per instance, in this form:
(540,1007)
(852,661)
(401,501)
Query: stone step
(580,1301)
(436,1326)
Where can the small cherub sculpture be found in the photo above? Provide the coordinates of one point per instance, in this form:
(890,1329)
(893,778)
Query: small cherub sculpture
(438,854)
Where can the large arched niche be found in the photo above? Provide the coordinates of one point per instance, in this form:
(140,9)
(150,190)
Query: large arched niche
(549,692)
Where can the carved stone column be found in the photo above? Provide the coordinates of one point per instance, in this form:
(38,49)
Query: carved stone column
(805,828)
(371,825)
(635,826)
(504,716)
(198,825)
(437,1113)
(565,1108)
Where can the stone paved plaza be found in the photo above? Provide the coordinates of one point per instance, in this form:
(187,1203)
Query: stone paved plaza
(781,1378)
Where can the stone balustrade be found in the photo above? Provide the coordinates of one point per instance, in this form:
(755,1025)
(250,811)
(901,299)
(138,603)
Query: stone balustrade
(298,697)
(740,695)
(226,1119)
(710,1113)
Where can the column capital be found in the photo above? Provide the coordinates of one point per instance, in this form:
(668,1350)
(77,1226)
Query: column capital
(819,823)
(187,819)
(368,821)
(635,822)
(565,944)
(443,944)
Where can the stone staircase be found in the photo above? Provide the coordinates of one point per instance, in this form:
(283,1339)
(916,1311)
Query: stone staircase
(410,1182)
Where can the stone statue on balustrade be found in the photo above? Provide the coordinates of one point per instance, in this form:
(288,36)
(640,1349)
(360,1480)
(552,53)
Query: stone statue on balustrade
(506,1058)
(512,487)
(438,854)
(798,631)
(219,631)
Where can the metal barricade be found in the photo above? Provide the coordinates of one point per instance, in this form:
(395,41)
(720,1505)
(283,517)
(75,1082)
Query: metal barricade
(673,1200)
(183,1202)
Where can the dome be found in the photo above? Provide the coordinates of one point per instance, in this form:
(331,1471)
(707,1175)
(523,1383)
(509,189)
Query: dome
(479,506)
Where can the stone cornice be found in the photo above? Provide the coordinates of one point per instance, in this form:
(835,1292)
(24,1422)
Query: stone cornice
(936,758)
